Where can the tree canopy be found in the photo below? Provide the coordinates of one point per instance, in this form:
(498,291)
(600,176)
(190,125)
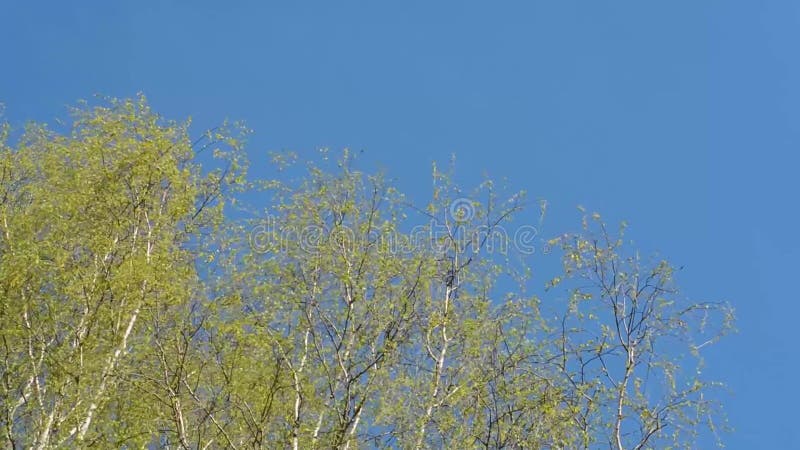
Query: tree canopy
(141,308)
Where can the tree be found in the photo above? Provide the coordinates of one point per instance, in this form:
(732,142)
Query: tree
(140,308)
(96,226)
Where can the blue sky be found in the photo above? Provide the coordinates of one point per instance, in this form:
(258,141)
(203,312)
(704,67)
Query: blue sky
(680,117)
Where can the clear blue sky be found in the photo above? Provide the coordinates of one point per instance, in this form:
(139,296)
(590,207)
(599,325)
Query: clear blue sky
(679,116)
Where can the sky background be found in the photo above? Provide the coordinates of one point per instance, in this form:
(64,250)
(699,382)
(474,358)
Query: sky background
(680,117)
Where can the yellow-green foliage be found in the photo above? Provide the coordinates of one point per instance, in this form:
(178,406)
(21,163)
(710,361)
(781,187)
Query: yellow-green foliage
(137,311)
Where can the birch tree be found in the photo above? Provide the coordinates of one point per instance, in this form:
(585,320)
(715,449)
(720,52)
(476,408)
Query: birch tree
(95,226)
(143,307)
